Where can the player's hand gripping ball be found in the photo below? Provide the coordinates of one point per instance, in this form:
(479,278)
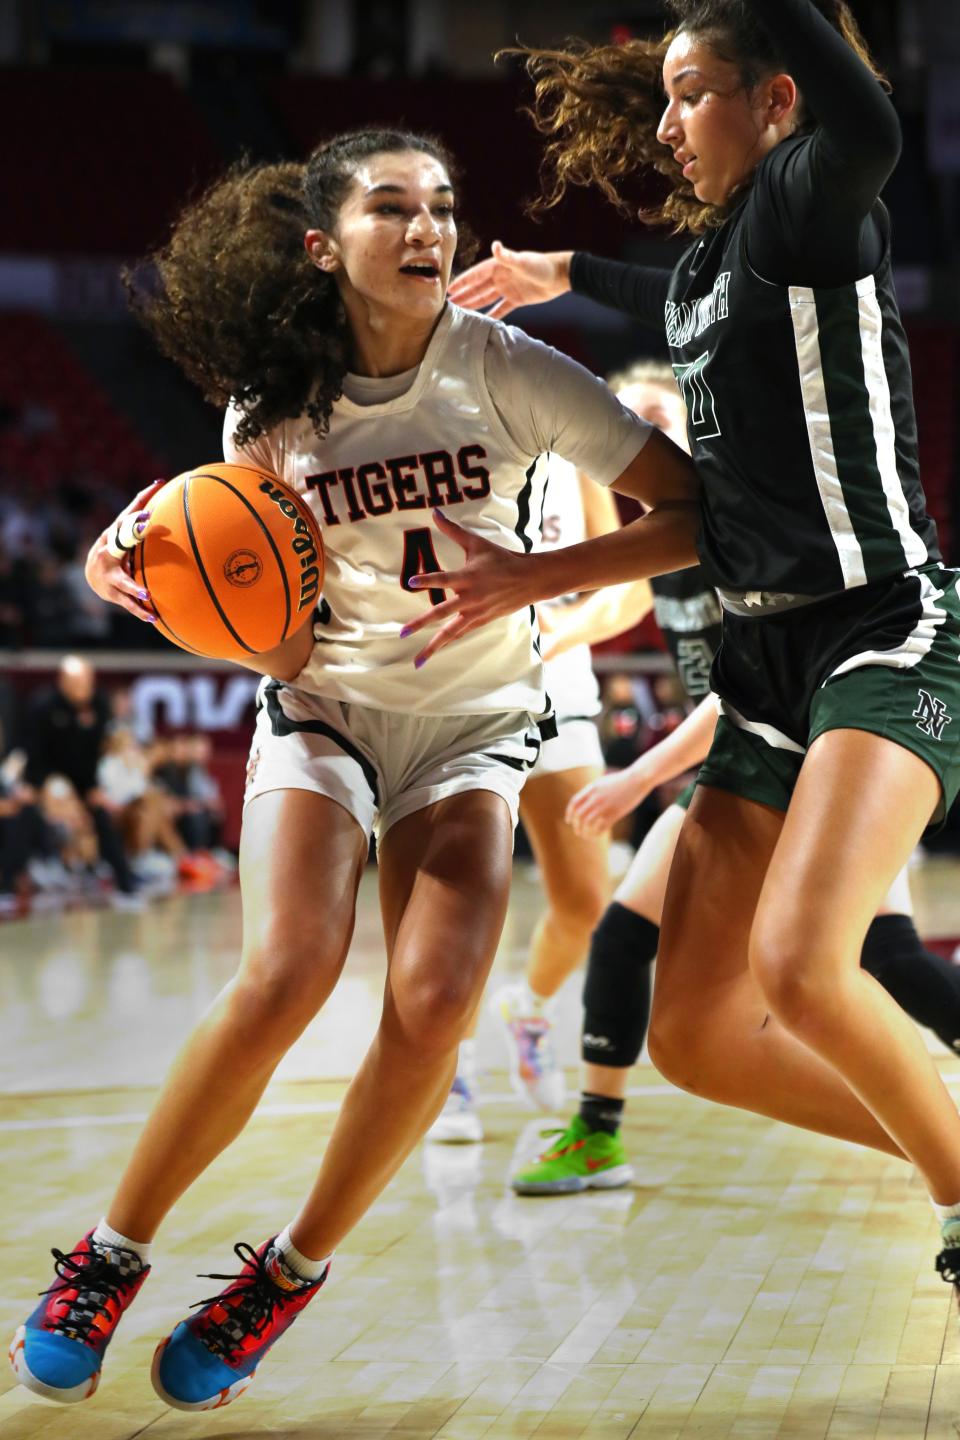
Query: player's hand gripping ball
(232,559)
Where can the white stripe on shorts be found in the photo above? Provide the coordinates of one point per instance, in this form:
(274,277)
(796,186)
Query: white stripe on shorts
(915,647)
(768,733)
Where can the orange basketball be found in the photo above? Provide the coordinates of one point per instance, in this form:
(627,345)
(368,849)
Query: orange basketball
(233,561)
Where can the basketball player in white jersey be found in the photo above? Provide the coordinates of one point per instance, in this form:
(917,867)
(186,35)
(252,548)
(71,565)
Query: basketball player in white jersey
(316,298)
(573,868)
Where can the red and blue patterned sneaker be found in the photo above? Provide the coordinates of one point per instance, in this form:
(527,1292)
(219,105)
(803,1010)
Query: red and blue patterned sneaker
(59,1351)
(212,1357)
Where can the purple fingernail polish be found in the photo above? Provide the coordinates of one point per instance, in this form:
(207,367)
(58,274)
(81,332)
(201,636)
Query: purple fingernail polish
(142,595)
(419,664)
(150,619)
(404,633)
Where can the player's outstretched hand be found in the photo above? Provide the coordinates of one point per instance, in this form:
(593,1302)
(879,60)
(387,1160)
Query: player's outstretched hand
(490,583)
(598,806)
(106,568)
(511,278)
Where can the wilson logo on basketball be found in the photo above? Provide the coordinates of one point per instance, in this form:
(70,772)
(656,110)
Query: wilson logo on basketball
(244,567)
(302,544)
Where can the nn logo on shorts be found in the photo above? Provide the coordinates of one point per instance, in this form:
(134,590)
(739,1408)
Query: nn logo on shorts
(931,715)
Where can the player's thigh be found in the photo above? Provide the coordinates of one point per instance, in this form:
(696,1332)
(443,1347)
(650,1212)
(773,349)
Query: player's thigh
(714,884)
(445,874)
(644,886)
(301,858)
(860,805)
(574,867)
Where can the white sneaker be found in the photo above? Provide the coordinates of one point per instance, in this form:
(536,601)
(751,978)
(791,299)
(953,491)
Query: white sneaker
(535,1073)
(154,865)
(458,1122)
(130,901)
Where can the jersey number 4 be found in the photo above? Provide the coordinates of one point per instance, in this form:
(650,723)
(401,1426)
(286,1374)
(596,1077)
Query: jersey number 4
(698,397)
(420,558)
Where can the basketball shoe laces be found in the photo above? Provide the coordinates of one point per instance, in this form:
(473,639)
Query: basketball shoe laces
(535,1049)
(97,1282)
(247,1310)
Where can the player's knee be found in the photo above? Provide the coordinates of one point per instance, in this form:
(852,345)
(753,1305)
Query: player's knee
(431,1016)
(672,1051)
(793,976)
(616,991)
(279,989)
(579,907)
(682,1044)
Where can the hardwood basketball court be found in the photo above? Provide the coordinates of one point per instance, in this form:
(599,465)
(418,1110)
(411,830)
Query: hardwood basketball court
(755,1282)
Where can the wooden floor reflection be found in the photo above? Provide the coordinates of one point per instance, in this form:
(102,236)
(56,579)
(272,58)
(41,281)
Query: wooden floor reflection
(754,1282)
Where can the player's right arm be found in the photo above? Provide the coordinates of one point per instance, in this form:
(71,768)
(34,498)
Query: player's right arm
(106,567)
(511,278)
(599,805)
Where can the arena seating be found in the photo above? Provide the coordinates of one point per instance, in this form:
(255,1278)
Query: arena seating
(54,420)
(117,193)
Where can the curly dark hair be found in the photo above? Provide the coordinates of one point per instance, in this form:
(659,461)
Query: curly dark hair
(233,298)
(600,105)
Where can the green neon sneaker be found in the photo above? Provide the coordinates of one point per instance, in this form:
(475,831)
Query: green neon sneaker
(580,1159)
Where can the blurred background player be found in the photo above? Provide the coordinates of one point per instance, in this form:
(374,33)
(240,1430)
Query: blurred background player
(573,869)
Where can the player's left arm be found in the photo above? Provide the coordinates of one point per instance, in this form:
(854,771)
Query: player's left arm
(494,581)
(287,660)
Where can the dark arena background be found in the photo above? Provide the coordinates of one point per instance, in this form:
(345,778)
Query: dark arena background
(753,1281)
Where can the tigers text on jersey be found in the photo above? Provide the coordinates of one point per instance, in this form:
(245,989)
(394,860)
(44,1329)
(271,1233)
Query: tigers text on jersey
(466,434)
(800,420)
(571,684)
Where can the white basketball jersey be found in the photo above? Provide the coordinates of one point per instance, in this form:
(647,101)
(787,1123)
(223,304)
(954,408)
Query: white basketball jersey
(571,683)
(373,482)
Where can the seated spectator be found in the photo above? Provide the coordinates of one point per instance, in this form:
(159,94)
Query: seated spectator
(64,735)
(13,600)
(50,606)
(25,838)
(70,825)
(142,810)
(198,803)
(90,616)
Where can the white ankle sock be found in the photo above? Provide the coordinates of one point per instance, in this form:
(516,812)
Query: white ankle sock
(945,1212)
(301,1265)
(539,1004)
(467,1059)
(105,1235)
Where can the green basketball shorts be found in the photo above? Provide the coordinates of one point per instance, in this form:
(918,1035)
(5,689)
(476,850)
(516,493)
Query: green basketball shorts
(883,657)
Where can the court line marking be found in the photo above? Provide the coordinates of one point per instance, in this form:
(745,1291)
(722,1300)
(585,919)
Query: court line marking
(317,1107)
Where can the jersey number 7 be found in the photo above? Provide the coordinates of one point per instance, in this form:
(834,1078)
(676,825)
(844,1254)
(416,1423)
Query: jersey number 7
(420,558)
